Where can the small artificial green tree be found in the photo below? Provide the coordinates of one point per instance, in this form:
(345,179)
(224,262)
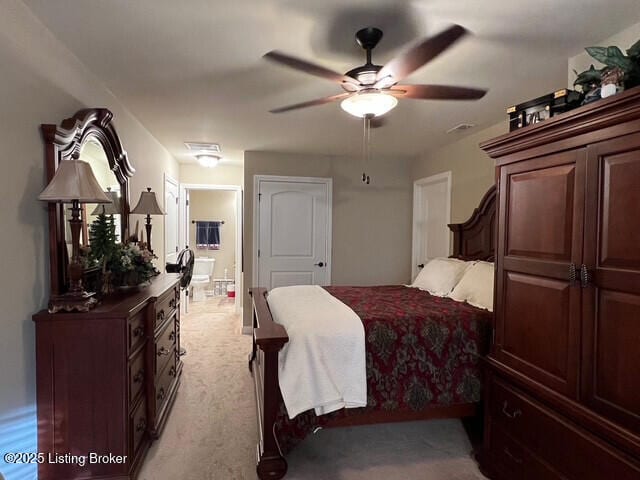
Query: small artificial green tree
(102,237)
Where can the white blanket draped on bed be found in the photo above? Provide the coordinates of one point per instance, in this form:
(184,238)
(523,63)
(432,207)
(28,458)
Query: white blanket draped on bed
(323,364)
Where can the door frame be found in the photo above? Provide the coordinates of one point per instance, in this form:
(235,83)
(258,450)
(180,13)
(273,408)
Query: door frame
(417,209)
(184,231)
(327,181)
(169,179)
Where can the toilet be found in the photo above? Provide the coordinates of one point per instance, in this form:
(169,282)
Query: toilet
(202,275)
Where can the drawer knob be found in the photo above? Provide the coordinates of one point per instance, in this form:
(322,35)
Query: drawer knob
(172,303)
(138,331)
(141,425)
(172,372)
(505,409)
(172,336)
(160,315)
(138,377)
(508,453)
(161,394)
(163,351)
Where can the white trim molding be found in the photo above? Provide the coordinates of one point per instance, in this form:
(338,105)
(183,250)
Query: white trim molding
(417,213)
(184,231)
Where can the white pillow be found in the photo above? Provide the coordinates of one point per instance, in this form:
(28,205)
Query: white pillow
(476,286)
(440,275)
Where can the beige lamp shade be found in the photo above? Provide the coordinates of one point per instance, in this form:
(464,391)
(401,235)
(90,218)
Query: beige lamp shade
(112,208)
(74,181)
(148,204)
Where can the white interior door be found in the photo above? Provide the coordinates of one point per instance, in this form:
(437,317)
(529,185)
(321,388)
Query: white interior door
(171,225)
(293,231)
(431,215)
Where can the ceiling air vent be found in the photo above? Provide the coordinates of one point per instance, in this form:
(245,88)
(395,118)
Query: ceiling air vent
(202,147)
(460,128)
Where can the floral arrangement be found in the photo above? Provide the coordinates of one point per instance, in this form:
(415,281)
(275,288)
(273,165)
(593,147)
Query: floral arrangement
(123,264)
(129,264)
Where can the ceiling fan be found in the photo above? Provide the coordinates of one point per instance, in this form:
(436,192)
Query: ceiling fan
(372,90)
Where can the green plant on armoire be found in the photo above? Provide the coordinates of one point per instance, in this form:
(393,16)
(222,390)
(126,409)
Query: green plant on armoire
(620,69)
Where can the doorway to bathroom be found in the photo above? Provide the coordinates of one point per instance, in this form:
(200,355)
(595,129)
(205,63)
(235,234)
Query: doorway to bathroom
(212,228)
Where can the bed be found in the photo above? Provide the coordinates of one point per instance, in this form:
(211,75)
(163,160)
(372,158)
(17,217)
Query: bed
(422,354)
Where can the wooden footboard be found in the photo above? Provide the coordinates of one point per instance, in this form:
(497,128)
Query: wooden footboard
(268,339)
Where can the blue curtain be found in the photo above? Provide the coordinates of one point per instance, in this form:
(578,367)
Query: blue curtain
(208,235)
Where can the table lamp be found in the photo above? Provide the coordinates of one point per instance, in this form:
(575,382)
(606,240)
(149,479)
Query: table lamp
(74,183)
(148,205)
(111,208)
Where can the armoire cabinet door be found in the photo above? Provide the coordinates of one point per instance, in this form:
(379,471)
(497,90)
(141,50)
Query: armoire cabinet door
(611,302)
(540,237)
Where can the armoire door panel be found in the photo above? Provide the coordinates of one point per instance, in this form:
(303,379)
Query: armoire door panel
(540,234)
(543,200)
(619,203)
(611,303)
(617,353)
(537,338)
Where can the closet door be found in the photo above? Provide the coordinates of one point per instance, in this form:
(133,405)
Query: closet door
(540,238)
(611,298)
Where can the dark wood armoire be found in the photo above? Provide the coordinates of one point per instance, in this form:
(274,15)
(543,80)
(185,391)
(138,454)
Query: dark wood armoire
(563,376)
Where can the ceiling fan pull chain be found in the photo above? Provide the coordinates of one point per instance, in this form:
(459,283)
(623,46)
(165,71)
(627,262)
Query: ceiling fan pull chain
(364,149)
(367,120)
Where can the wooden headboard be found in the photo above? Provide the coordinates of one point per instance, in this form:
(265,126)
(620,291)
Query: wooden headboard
(475,238)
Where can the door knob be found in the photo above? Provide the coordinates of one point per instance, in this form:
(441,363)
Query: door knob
(319,264)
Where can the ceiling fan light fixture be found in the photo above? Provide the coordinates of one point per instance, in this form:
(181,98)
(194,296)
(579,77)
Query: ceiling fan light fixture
(369,103)
(208,160)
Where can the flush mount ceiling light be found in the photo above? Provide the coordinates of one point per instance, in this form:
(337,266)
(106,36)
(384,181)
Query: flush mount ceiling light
(369,103)
(208,160)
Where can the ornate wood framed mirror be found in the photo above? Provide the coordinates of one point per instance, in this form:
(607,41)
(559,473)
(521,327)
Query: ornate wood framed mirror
(88,135)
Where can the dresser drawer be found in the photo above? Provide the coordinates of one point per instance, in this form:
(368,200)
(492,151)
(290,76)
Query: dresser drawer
(164,383)
(138,425)
(513,461)
(166,306)
(136,376)
(555,439)
(165,346)
(136,330)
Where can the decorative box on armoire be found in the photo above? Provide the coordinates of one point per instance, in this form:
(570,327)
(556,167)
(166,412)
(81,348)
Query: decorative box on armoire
(563,375)
(106,381)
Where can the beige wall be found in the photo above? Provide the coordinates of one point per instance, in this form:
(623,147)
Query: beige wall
(583,60)
(361,213)
(216,205)
(472,171)
(218,175)
(42,82)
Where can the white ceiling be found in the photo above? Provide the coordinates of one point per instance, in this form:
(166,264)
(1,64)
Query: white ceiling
(191,70)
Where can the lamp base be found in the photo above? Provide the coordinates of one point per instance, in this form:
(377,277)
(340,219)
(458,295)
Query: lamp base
(72,302)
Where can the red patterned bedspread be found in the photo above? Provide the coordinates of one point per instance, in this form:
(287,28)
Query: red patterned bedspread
(421,350)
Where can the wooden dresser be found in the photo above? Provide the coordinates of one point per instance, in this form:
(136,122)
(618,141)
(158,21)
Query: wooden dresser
(563,380)
(106,381)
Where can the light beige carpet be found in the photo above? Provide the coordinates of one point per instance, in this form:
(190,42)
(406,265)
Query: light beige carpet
(211,433)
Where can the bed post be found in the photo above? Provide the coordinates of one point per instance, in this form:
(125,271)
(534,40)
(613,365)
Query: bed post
(268,339)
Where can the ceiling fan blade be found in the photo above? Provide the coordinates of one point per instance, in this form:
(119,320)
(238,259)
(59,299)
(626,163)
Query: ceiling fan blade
(308,67)
(311,103)
(412,59)
(437,92)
